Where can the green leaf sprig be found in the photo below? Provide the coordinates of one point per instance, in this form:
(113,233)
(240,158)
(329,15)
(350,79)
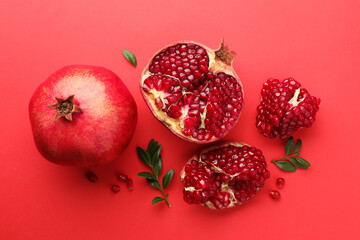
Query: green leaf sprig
(292,159)
(152,158)
(130,57)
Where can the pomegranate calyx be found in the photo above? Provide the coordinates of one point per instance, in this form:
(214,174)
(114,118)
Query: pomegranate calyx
(65,108)
(224,54)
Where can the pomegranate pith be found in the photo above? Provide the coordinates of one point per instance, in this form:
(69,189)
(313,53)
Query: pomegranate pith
(193,90)
(285,107)
(224,176)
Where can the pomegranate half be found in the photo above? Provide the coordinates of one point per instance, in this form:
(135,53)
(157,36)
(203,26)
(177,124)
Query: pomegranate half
(224,176)
(193,90)
(82,116)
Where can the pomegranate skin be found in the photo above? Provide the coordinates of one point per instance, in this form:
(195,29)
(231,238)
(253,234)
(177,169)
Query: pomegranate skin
(99,133)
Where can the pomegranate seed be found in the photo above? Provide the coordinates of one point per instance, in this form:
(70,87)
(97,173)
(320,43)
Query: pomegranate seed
(122,177)
(130,185)
(91,176)
(115,188)
(159,103)
(275,194)
(280,183)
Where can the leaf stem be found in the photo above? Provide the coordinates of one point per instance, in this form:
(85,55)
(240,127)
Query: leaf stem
(166,199)
(287,157)
(162,191)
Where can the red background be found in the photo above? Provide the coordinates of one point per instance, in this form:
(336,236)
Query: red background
(316,42)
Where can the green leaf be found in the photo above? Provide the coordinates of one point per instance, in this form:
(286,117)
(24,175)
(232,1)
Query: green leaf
(297,163)
(303,161)
(155,155)
(297,146)
(286,166)
(150,146)
(143,155)
(130,57)
(146,175)
(158,166)
(157,199)
(154,183)
(289,146)
(167,178)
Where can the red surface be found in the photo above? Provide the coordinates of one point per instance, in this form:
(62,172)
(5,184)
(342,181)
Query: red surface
(316,42)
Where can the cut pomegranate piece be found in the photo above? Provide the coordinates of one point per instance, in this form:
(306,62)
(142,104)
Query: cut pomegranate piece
(224,176)
(193,90)
(284,108)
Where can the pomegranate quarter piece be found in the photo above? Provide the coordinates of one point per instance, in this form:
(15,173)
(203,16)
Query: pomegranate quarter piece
(284,108)
(224,176)
(193,90)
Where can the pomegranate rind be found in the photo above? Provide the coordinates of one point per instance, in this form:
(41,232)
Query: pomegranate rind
(175,125)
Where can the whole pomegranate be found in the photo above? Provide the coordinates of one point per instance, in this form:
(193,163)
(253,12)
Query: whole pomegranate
(193,90)
(284,108)
(224,176)
(82,116)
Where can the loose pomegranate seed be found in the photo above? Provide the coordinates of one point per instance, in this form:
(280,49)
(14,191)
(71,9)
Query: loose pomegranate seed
(91,176)
(130,185)
(115,188)
(275,194)
(284,108)
(280,183)
(224,176)
(122,177)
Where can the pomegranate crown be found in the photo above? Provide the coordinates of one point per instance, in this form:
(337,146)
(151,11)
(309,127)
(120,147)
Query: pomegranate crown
(225,54)
(65,108)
